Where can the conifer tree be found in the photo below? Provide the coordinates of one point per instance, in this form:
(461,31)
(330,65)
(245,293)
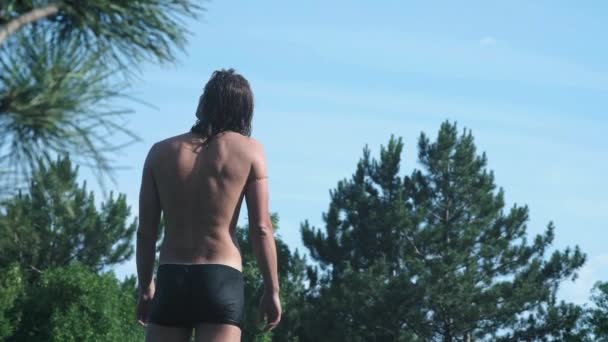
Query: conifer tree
(57,223)
(598,315)
(64,65)
(436,256)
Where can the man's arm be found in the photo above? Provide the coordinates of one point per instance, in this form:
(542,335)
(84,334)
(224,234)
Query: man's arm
(147,232)
(260,225)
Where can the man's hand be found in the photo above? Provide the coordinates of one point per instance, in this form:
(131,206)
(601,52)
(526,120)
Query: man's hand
(144,303)
(270,308)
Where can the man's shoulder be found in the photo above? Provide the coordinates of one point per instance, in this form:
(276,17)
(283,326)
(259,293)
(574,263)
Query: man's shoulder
(174,141)
(237,140)
(255,147)
(254,142)
(244,141)
(164,146)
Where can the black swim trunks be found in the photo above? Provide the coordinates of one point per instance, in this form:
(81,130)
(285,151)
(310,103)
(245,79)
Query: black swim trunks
(188,294)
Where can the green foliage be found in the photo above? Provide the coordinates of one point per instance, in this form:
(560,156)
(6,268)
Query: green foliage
(74,304)
(56,98)
(11,289)
(425,257)
(448,263)
(598,316)
(62,72)
(129,31)
(359,307)
(57,223)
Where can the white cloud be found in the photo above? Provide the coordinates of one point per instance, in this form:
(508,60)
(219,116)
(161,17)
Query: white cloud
(487,41)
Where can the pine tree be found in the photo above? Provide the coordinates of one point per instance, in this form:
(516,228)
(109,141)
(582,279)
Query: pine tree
(57,223)
(433,256)
(63,65)
(598,315)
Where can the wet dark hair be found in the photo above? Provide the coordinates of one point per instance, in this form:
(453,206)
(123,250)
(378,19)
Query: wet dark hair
(225,105)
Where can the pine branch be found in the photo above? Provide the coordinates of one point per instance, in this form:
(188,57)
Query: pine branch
(36,14)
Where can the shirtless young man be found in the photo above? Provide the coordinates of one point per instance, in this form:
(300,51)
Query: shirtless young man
(198,180)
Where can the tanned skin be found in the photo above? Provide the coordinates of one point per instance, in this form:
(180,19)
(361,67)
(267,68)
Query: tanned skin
(200,189)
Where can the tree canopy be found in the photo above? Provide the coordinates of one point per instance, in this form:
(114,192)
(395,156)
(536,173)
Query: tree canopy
(73,303)
(57,223)
(56,247)
(435,254)
(429,256)
(598,315)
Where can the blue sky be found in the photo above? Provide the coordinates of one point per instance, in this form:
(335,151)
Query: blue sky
(530,79)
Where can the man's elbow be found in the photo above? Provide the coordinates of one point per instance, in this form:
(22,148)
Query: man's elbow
(261,229)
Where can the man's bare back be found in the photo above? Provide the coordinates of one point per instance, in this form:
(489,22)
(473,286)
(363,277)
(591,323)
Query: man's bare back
(199,185)
(201,189)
